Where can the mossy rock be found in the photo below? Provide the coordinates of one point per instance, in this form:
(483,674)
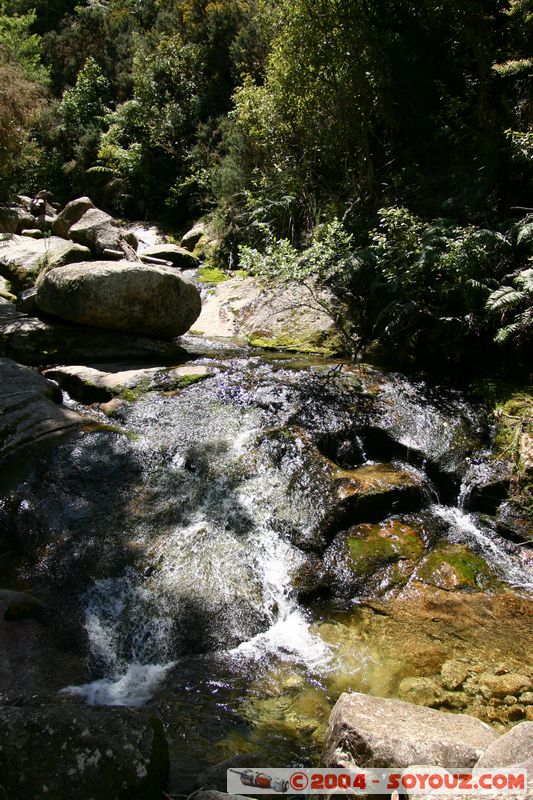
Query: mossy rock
(373,559)
(373,546)
(212,275)
(453,567)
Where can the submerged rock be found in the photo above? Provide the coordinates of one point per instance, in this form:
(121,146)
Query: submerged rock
(68,752)
(151,301)
(22,259)
(367,731)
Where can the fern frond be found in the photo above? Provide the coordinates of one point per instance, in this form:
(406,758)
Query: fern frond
(505,297)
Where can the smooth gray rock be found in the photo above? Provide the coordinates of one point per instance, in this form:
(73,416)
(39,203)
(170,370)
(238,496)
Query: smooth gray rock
(512,748)
(29,409)
(71,214)
(31,341)
(27,301)
(179,257)
(190,239)
(14,219)
(22,259)
(72,753)
(152,301)
(100,232)
(366,731)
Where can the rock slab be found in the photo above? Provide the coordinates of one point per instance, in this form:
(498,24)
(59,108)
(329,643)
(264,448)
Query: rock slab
(72,753)
(29,409)
(366,731)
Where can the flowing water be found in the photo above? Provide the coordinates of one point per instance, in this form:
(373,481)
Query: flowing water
(178,541)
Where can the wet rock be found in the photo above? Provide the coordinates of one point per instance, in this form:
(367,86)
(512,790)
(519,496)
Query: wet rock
(453,674)
(179,257)
(513,523)
(151,301)
(454,566)
(67,752)
(97,385)
(100,232)
(433,425)
(31,341)
(34,660)
(502,685)
(277,317)
(190,239)
(30,413)
(22,260)
(422,691)
(374,491)
(367,731)
(487,485)
(373,558)
(71,214)
(14,218)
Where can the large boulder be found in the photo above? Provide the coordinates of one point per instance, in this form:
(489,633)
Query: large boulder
(71,214)
(286,317)
(29,409)
(13,219)
(153,301)
(100,232)
(71,753)
(366,731)
(31,341)
(177,256)
(23,259)
(5,291)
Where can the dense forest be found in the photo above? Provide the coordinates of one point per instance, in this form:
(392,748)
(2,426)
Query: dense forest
(384,147)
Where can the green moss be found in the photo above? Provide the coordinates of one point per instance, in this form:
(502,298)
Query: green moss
(213,275)
(378,545)
(455,567)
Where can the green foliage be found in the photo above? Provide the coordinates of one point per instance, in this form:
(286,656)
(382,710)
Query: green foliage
(20,47)
(86,103)
(514,306)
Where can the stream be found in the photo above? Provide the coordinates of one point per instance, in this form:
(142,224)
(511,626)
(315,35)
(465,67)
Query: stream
(198,555)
